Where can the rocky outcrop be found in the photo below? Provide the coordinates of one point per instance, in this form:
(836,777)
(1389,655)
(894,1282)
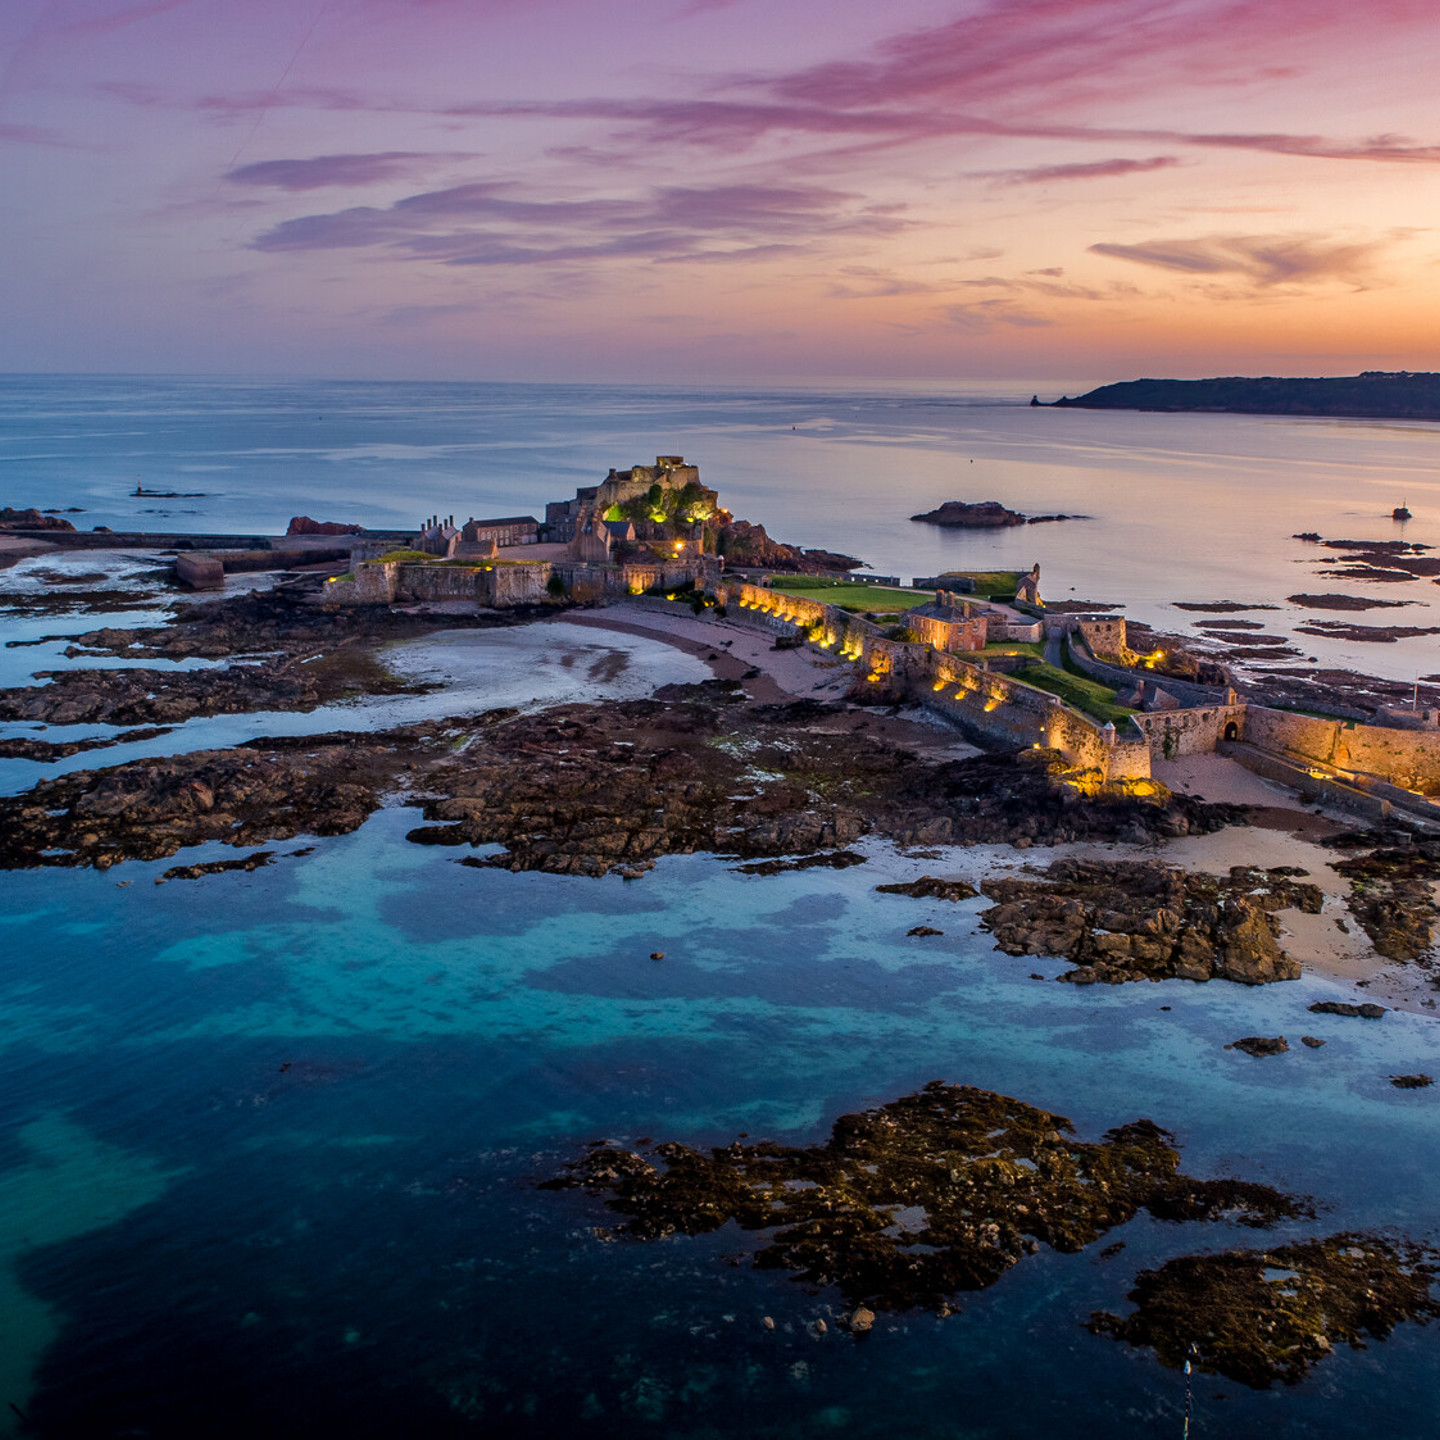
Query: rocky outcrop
(1392,890)
(168,697)
(1258,1316)
(314,656)
(1260,1045)
(927,887)
(12,519)
(580,789)
(979,515)
(914,1202)
(291,620)
(742,543)
(151,809)
(1145,920)
(585,790)
(304,525)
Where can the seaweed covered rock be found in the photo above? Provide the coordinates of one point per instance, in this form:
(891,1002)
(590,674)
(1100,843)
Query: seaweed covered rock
(151,809)
(1121,920)
(927,887)
(1260,1045)
(910,1203)
(577,789)
(1392,890)
(1258,1316)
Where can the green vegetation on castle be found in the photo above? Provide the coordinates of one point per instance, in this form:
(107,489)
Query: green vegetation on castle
(989,584)
(403,557)
(857,599)
(1086,695)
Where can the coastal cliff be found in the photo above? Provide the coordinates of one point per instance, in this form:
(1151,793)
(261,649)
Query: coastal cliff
(1374,395)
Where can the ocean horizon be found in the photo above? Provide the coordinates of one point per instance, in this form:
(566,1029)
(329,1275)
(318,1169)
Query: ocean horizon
(271,1142)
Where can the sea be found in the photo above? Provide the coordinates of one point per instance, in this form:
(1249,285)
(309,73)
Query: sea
(270,1142)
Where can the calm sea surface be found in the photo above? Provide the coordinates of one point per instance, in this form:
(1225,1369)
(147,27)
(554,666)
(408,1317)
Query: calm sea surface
(268,1142)
(1184,507)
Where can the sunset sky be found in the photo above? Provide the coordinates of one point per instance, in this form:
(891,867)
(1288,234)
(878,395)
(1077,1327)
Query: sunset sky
(725,190)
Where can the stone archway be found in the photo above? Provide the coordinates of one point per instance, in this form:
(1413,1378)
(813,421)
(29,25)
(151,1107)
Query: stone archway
(1232,730)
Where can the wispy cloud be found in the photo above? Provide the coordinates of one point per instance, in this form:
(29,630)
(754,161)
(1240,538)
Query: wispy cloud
(1264,260)
(981,316)
(496,223)
(1081,170)
(321,171)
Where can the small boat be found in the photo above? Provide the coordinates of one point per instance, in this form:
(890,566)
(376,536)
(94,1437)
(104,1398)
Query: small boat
(1400,512)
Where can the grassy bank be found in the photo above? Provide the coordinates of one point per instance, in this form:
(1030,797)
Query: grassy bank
(987,582)
(1086,695)
(848,595)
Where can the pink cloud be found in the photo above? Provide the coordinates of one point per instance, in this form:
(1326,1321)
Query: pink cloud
(982,316)
(1264,260)
(1084,170)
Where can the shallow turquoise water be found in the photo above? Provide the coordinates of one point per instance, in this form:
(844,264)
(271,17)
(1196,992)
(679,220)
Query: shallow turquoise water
(321,1094)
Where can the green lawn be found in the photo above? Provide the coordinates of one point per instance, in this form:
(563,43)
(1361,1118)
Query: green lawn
(988,582)
(1006,647)
(850,596)
(1086,695)
(405,557)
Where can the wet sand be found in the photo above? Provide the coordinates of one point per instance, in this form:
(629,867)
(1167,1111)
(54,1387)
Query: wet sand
(13,549)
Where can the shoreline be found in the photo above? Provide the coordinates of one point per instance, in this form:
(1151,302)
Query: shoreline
(1283,830)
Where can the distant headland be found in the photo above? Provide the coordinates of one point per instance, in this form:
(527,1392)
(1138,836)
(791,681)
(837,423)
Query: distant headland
(1374,395)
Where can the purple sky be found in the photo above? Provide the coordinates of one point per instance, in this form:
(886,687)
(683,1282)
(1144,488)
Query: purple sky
(720,189)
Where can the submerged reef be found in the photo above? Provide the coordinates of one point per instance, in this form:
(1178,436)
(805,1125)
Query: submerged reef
(909,1204)
(1122,920)
(1258,1316)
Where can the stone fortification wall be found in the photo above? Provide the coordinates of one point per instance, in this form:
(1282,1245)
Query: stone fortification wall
(1014,630)
(370,584)
(1119,678)
(1410,758)
(991,707)
(498,586)
(502,586)
(1173,733)
(1105,636)
(414,583)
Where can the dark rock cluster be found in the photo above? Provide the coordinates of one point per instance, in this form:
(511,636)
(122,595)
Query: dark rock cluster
(151,809)
(745,544)
(1124,920)
(911,1203)
(1392,889)
(580,789)
(1258,1316)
